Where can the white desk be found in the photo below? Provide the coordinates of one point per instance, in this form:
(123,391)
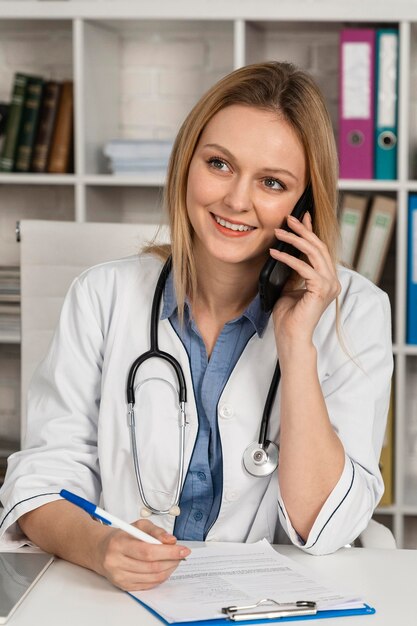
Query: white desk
(69,595)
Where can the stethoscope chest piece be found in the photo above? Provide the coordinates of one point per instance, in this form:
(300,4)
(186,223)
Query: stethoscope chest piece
(261,460)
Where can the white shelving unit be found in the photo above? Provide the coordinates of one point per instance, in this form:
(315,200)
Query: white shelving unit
(178,50)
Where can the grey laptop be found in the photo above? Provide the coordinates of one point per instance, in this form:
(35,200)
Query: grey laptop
(19,571)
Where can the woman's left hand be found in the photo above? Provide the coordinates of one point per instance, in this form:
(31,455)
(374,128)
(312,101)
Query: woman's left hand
(298,311)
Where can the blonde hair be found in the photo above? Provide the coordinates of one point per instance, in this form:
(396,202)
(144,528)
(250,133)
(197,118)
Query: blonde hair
(271,86)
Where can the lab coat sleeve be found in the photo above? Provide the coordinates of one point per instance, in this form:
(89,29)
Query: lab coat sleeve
(357,398)
(60,450)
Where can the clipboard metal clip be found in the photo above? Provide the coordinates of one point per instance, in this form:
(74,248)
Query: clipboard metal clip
(287,609)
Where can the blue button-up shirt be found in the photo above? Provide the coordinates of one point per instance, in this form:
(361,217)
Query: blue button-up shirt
(202,490)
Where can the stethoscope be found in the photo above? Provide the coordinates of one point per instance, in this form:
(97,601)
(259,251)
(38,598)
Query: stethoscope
(259,459)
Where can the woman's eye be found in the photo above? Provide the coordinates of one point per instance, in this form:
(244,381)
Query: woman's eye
(217,164)
(273,183)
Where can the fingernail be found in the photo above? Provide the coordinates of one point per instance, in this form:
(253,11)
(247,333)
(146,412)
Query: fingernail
(292,218)
(185,552)
(167,536)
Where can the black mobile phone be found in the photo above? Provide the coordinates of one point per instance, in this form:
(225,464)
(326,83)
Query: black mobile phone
(274,274)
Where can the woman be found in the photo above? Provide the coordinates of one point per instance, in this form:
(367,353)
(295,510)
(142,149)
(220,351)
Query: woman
(242,159)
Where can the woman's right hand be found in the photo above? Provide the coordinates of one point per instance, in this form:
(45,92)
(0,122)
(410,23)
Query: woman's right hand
(134,565)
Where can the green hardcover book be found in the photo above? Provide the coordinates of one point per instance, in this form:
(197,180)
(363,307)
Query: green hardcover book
(28,124)
(13,123)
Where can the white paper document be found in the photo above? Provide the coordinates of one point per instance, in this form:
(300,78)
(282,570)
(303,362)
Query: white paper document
(226,574)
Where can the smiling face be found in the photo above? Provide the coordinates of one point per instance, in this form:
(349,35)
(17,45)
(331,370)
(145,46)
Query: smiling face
(247,172)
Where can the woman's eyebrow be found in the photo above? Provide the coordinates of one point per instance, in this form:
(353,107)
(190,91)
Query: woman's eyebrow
(267,170)
(217,146)
(279,170)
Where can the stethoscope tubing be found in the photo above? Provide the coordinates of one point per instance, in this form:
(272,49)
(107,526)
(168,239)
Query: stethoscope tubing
(265,449)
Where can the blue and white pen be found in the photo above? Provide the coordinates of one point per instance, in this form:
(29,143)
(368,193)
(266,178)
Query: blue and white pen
(107,518)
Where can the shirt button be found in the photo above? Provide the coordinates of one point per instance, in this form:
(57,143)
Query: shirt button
(226,411)
(201,476)
(231,496)
(198,516)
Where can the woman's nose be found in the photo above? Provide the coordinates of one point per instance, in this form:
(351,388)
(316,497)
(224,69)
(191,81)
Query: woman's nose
(238,196)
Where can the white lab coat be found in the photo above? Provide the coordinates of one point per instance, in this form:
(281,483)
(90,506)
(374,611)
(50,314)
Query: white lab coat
(78,435)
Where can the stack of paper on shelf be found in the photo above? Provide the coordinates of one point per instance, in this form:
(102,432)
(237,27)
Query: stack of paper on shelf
(7,447)
(9,299)
(131,156)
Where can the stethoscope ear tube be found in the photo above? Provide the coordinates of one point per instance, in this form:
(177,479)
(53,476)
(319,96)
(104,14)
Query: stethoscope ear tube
(154,351)
(272,392)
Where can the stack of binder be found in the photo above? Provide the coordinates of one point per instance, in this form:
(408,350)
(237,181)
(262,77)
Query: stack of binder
(366,226)
(368,103)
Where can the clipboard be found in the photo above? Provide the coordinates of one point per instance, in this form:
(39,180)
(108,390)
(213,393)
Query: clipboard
(242,573)
(275,612)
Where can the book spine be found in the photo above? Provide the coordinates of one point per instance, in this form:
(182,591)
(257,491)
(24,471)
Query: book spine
(412,271)
(13,123)
(59,158)
(28,124)
(378,233)
(47,116)
(351,219)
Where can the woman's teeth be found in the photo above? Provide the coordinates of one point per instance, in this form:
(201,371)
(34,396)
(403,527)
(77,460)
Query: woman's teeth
(226,224)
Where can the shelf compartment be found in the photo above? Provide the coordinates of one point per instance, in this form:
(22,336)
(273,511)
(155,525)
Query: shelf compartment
(410,532)
(140,79)
(35,47)
(30,202)
(124,204)
(410,433)
(388,279)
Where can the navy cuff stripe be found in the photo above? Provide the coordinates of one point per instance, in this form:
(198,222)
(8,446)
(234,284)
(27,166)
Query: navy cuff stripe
(51,493)
(338,506)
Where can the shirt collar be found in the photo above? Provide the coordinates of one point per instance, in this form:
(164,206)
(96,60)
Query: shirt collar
(170,299)
(253,312)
